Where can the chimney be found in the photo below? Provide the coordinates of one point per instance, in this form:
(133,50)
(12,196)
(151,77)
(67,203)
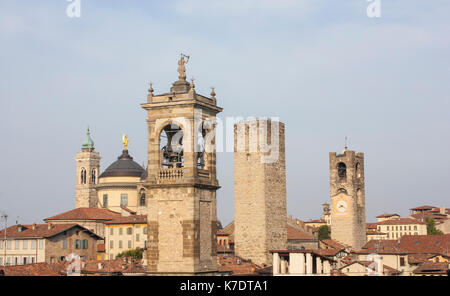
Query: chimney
(19,228)
(442,211)
(34,226)
(50,225)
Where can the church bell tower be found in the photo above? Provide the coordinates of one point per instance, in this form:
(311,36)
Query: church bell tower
(88,167)
(347,193)
(181,179)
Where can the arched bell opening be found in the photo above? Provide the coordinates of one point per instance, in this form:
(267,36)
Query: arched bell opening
(200,149)
(171,147)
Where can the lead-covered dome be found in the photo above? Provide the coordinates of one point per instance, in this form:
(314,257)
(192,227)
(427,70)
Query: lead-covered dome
(124,166)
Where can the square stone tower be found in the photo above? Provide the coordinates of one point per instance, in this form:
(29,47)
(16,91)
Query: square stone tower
(181,183)
(87,171)
(259,190)
(347,193)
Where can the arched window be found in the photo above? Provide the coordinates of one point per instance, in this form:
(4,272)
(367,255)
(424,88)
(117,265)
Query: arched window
(83,176)
(93,176)
(142,200)
(342,170)
(171,145)
(342,190)
(200,149)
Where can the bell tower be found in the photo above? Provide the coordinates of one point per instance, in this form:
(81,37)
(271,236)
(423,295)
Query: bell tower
(347,193)
(87,171)
(181,179)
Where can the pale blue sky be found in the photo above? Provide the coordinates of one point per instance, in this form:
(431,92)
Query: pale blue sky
(325,68)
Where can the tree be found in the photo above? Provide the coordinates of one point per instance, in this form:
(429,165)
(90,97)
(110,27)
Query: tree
(135,254)
(431,228)
(323,232)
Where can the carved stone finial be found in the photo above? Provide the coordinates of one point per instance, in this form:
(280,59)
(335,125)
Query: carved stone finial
(213,93)
(150,90)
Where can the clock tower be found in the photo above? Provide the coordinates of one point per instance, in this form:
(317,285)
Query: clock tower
(347,194)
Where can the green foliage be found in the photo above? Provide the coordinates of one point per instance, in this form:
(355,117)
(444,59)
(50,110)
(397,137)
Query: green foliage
(323,232)
(135,254)
(431,229)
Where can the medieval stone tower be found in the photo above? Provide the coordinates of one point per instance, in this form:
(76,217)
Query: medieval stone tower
(88,167)
(347,193)
(259,190)
(181,183)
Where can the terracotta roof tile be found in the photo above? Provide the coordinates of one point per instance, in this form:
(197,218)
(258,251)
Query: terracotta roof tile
(432,268)
(387,215)
(236,265)
(35,269)
(37,230)
(297,234)
(401,221)
(85,214)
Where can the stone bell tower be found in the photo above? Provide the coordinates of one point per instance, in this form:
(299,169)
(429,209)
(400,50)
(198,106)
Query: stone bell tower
(347,192)
(181,182)
(88,167)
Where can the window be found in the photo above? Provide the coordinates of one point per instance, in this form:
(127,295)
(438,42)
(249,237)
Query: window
(32,259)
(111,244)
(41,244)
(8,244)
(17,244)
(145,230)
(111,257)
(105,200)
(410,228)
(124,200)
(342,170)
(387,228)
(1,260)
(83,176)
(142,199)
(8,261)
(77,244)
(93,176)
(137,237)
(120,244)
(145,244)
(1,245)
(111,231)
(33,245)
(85,244)
(25,244)
(64,244)
(402,261)
(129,244)
(129,230)
(120,231)
(415,227)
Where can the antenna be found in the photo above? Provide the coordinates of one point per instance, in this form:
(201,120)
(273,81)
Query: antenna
(346,142)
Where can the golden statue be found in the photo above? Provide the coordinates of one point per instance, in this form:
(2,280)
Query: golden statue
(125,141)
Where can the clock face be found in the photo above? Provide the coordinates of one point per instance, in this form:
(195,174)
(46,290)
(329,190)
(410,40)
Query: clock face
(341,206)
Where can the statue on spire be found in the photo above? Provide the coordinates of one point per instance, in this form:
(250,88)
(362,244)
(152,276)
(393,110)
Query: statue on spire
(181,67)
(125,142)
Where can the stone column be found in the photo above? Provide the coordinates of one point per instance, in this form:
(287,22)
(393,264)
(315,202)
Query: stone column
(309,264)
(283,266)
(294,263)
(302,263)
(319,265)
(276,264)
(326,267)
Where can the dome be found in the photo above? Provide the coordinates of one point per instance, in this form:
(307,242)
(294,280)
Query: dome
(124,166)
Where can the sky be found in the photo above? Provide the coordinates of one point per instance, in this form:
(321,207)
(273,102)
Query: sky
(325,68)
